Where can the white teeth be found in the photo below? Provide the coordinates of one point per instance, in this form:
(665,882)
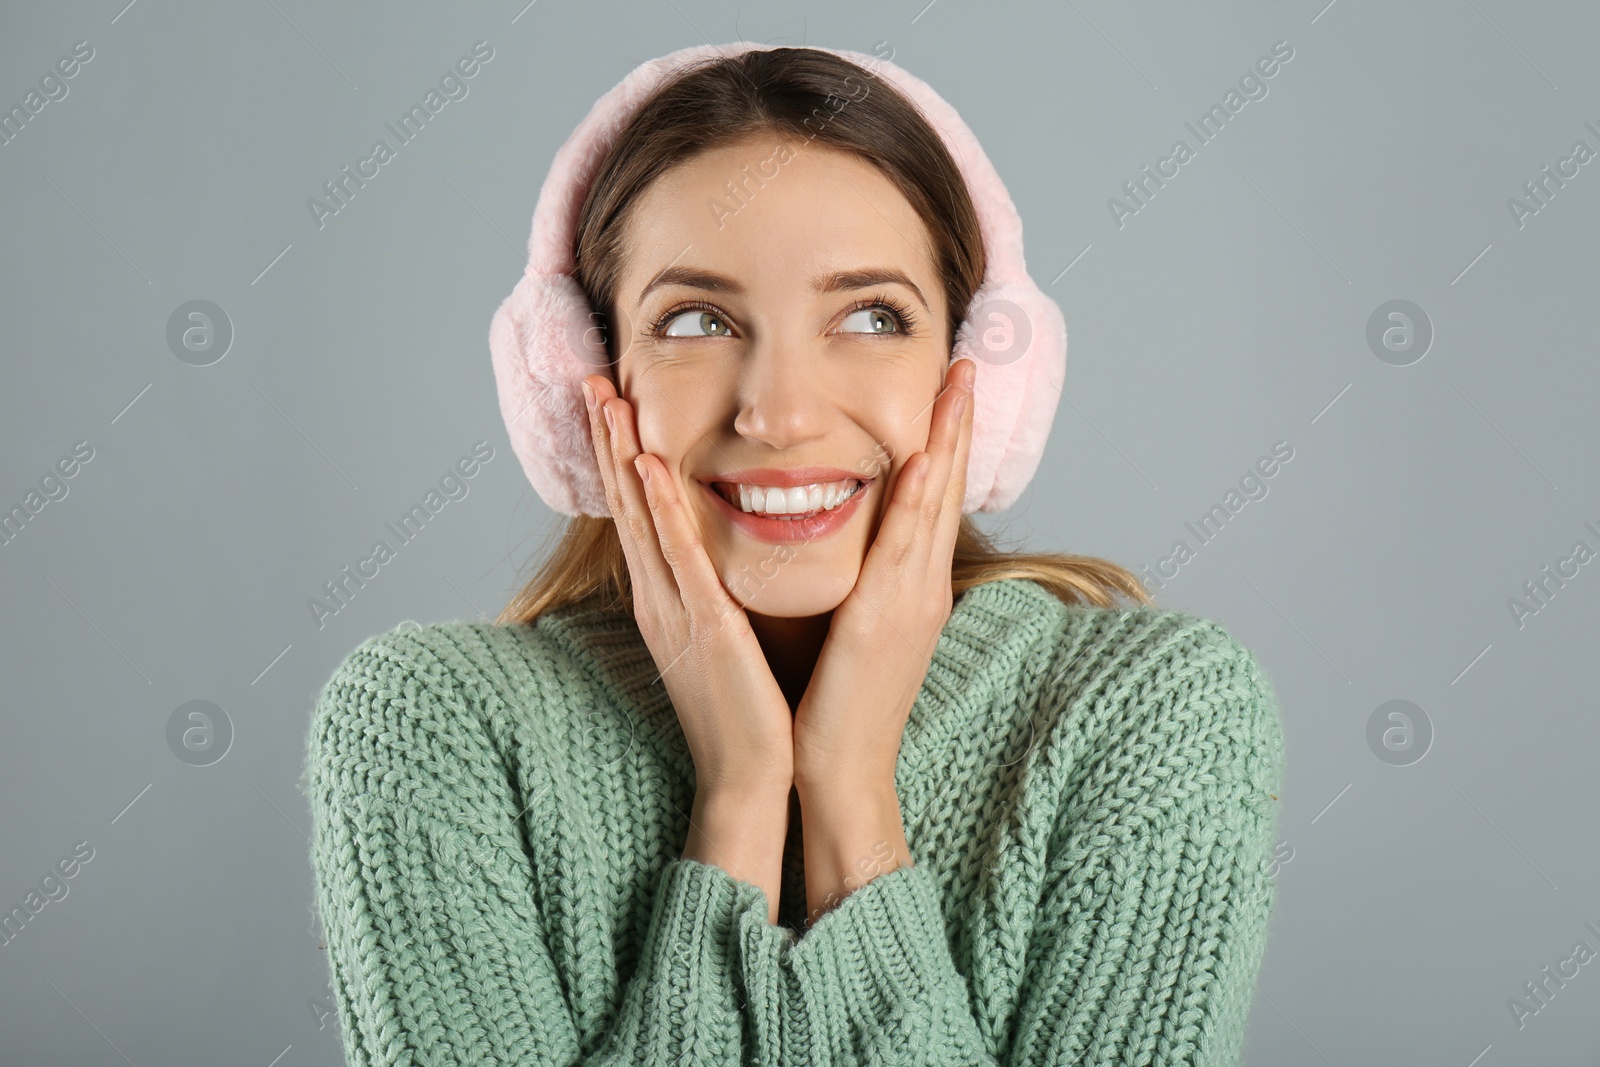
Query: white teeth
(796,501)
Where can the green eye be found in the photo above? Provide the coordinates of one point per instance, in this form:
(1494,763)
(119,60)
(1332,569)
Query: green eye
(711,323)
(877,320)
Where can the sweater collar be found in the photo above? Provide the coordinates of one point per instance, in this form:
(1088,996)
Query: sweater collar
(992,627)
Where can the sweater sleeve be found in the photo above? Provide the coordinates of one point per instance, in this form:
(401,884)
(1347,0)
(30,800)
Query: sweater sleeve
(873,982)
(1148,934)
(435,942)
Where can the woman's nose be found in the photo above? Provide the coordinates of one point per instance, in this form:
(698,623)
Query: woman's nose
(783,400)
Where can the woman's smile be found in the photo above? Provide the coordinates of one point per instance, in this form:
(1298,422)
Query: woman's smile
(809,524)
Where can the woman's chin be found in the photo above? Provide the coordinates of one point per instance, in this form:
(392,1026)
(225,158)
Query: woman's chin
(795,607)
(787,590)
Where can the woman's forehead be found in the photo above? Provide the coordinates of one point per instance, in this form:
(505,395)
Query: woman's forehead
(823,212)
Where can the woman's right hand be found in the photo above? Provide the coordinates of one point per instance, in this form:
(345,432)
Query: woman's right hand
(735,717)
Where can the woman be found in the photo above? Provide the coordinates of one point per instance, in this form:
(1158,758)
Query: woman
(778,760)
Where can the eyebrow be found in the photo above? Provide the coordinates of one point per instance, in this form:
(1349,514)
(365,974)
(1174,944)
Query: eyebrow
(832,282)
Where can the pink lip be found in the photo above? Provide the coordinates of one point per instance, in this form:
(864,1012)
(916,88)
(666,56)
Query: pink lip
(780,531)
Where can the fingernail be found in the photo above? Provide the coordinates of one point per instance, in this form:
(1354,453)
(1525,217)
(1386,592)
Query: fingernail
(588,397)
(969,373)
(644,472)
(961,404)
(611,424)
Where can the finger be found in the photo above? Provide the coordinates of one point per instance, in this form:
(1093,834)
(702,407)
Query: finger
(944,440)
(636,515)
(604,449)
(947,530)
(697,580)
(894,560)
(599,436)
(898,530)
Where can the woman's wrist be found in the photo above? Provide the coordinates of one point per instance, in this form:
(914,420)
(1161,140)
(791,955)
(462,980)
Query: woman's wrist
(742,830)
(851,837)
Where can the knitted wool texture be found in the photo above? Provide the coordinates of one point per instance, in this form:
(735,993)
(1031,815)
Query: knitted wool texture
(1088,795)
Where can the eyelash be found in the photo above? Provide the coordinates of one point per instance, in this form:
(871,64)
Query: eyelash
(907,320)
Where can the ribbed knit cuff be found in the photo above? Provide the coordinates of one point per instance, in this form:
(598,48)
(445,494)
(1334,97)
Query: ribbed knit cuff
(876,964)
(690,1004)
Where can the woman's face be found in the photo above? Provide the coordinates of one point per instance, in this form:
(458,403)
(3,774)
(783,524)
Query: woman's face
(754,343)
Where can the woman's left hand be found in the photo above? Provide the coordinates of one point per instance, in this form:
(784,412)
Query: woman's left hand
(848,725)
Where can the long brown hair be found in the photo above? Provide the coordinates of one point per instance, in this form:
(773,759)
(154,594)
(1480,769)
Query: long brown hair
(815,96)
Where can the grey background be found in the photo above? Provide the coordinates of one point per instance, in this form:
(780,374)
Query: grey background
(1228,314)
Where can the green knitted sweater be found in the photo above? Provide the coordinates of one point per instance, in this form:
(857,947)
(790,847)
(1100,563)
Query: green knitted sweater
(1088,794)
